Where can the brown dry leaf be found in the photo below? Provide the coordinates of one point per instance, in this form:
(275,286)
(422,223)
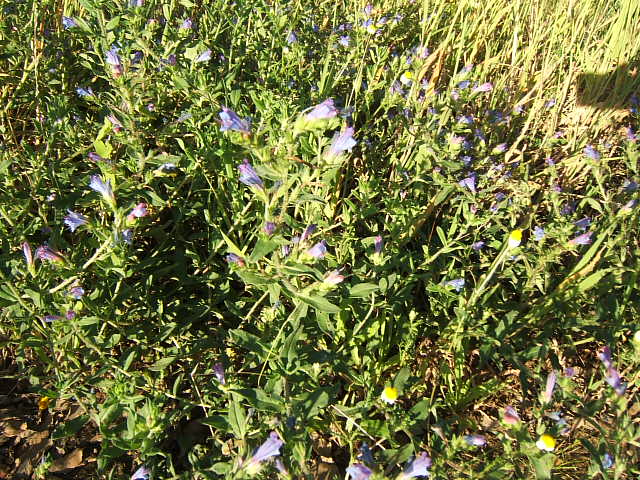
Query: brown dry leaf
(36,445)
(69,461)
(15,428)
(327,471)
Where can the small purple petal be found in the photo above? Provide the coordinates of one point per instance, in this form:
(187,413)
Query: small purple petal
(584,239)
(248,175)
(74,220)
(231,121)
(475,440)
(319,250)
(358,471)
(592,153)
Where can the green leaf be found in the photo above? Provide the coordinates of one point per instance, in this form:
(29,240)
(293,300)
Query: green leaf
(592,280)
(254,279)
(361,290)
(401,379)
(249,342)
(162,364)
(103,149)
(543,465)
(69,428)
(312,403)
(232,246)
(264,246)
(218,421)
(319,303)
(237,419)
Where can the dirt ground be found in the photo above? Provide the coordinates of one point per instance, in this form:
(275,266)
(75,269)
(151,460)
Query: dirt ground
(32,445)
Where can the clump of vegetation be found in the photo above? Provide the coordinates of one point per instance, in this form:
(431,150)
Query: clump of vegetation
(304,240)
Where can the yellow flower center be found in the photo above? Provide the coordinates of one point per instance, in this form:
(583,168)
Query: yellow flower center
(390,394)
(546,442)
(43,403)
(515,237)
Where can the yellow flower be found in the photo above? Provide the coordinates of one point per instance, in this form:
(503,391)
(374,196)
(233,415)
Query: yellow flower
(389,395)
(546,442)
(406,78)
(515,237)
(43,403)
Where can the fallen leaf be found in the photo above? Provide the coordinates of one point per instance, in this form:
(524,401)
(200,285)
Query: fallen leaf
(69,461)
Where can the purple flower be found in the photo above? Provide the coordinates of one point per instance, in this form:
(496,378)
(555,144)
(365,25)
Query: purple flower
(344,40)
(322,111)
(485,87)
(319,250)
(204,56)
(584,239)
(475,440)
(70,315)
(285,250)
(102,188)
(457,284)
(551,383)
(510,416)
(377,244)
(186,24)
(464,84)
(308,232)
(218,371)
(51,318)
(607,461)
(74,220)
(358,471)
(550,103)
(139,211)
(418,468)
(629,186)
(366,455)
(341,142)
(269,228)
(84,92)
(113,59)
(469,182)
(538,233)
(591,152)
(117,126)
(171,60)
(500,148)
(231,121)
(604,355)
(127,236)
(233,258)
(583,223)
(334,277)
(281,468)
(26,250)
(270,448)
(569,372)
(627,207)
(568,208)
(45,252)
(141,474)
(612,377)
(68,22)
(465,119)
(477,245)
(76,292)
(249,176)
(292,38)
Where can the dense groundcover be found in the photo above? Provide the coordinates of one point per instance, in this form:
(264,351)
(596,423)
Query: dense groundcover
(291,239)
